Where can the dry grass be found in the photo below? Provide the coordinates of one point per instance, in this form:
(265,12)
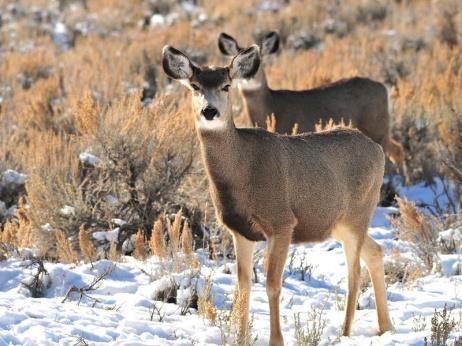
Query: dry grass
(18,233)
(174,231)
(205,305)
(141,245)
(59,103)
(420,230)
(114,254)
(186,239)
(157,241)
(65,251)
(87,248)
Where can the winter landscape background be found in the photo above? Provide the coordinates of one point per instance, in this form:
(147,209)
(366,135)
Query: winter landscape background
(107,232)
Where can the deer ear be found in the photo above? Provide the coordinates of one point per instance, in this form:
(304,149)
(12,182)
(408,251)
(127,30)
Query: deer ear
(228,45)
(245,65)
(176,64)
(270,43)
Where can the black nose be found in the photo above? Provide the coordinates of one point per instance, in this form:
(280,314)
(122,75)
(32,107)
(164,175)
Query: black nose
(209,112)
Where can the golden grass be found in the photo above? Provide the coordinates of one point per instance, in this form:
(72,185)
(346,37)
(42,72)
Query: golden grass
(87,98)
(64,249)
(140,245)
(87,248)
(420,230)
(18,233)
(157,241)
(186,239)
(174,232)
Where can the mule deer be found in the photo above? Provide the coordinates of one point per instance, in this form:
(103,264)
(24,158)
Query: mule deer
(283,189)
(361,101)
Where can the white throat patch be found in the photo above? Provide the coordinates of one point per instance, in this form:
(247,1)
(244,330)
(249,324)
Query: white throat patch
(214,124)
(249,84)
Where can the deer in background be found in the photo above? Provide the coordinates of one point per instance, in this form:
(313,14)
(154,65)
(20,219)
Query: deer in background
(361,101)
(283,189)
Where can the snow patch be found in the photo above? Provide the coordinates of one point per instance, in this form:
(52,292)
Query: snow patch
(110,236)
(12,177)
(89,159)
(67,210)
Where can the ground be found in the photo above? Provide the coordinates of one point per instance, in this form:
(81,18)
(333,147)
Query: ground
(122,313)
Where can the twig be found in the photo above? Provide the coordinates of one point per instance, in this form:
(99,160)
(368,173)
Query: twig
(156,310)
(83,291)
(81,342)
(36,286)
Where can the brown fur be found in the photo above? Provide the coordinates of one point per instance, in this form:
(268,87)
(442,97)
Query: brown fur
(292,189)
(362,101)
(211,77)
(288,178)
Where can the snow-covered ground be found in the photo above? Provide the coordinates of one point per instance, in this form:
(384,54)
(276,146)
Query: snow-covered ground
(122,313)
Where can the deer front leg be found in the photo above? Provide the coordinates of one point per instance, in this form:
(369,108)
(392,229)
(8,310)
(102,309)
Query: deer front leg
(278,247)
(244,256)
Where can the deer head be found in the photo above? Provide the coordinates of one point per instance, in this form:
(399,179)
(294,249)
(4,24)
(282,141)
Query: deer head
(210,85)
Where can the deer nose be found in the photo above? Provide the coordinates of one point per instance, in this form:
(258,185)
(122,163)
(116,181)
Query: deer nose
(210,112)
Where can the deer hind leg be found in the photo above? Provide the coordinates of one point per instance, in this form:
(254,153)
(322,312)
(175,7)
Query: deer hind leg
(244,249)
(371,254)
(278,247)
(351,243)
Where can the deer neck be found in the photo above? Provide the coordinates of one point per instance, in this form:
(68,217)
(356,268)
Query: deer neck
(257,95)
(220,151)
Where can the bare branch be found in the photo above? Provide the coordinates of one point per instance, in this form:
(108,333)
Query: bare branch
(94,285)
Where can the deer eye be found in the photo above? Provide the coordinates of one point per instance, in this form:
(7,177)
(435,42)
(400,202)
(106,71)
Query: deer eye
(226,87)
(195,86)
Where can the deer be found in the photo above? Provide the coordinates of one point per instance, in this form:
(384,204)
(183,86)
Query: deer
(359,101)
(283,189)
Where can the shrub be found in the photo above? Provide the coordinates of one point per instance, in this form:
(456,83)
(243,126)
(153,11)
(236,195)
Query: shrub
(309,333)
(442,325)
(86,246)
(420,230)
(133,173)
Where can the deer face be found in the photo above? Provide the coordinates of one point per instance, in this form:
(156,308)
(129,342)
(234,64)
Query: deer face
(269,45)
(210,85)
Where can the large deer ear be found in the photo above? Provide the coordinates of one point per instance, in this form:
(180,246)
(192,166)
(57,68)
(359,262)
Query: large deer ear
(270,43)
(176,64)
(228,45)
(245,65)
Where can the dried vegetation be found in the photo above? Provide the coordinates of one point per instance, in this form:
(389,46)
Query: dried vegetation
(102,135)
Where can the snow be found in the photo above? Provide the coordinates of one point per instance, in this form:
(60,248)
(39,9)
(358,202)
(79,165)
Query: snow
(125,298)
(47,227)
(110,236)
(451,264)
(89,159)
(118,222)
(427,195)
(451,234)
(157,20)
(67,210)
(111,199)
(2,208)
(12,177)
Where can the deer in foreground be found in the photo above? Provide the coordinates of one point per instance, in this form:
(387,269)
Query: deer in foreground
(283,189)
(361,101)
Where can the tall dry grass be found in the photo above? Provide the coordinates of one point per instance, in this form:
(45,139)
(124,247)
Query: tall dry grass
(56,103)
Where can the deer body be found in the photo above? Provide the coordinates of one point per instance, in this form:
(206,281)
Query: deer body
(344,100)
(277,180)
(361,101)
(283,189)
